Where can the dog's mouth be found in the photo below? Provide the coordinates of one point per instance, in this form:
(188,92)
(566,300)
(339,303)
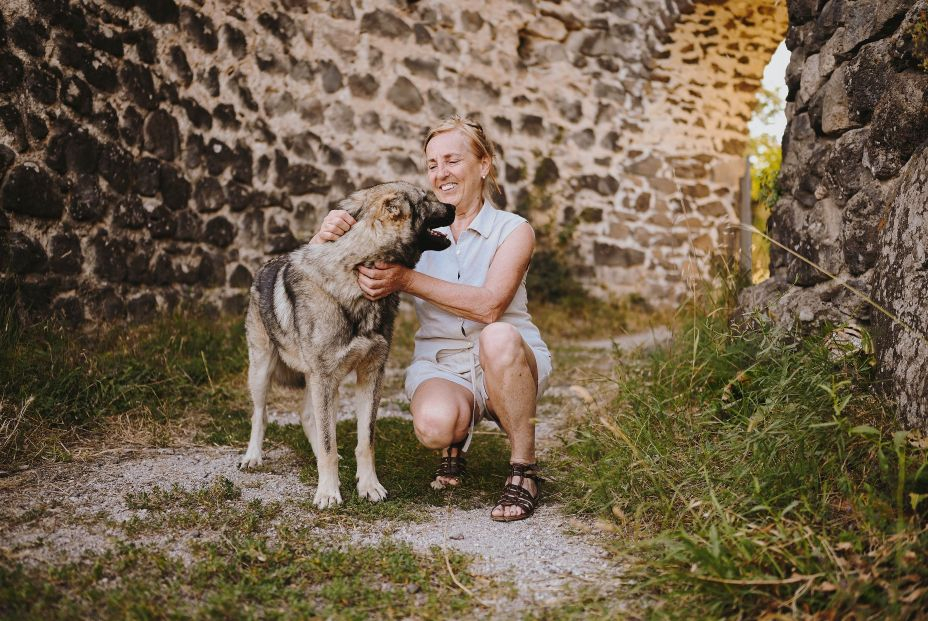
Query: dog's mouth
(436,240)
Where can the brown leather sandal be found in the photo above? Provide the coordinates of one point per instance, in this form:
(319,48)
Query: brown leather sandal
(516,495)
(451,467)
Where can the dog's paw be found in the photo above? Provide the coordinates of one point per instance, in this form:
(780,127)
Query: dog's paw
(250,460)
(373,491)
(325,499)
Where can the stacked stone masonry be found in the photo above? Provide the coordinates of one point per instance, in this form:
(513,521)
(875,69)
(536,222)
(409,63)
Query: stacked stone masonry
(154,151)
(854,184)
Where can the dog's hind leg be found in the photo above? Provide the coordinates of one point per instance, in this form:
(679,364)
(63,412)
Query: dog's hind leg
(324,388)
(261,363)
(370,382)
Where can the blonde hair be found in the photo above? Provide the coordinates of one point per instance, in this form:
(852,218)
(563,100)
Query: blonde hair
(481,146)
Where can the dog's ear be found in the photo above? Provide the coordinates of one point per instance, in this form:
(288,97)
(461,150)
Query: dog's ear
(353,204)
(394,206)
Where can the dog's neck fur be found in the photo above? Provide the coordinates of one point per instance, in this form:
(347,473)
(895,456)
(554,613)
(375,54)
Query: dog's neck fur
(339,259)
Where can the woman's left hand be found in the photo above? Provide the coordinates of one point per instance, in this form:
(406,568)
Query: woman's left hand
(383,279)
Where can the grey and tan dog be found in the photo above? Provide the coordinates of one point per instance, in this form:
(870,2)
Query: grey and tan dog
(308,319)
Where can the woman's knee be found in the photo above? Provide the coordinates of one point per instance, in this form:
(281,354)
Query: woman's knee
(436,422)
(501,346)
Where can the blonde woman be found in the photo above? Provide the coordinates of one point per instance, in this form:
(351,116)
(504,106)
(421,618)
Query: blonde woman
(477,352)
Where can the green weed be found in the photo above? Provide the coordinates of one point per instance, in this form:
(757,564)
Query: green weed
(405,468)
(298,575)
(56,384)
(764,474)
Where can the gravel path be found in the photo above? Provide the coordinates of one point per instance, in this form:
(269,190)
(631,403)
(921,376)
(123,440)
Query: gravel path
(58,512)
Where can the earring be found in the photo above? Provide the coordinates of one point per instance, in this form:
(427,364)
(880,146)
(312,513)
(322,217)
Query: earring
(483,176)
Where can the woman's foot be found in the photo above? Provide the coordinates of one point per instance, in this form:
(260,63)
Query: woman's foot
(520,495)
(451,468)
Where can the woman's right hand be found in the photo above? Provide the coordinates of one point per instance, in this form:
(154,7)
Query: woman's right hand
(335,224)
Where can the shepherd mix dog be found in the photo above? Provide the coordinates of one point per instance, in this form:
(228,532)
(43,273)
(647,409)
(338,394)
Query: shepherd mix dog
(308,321)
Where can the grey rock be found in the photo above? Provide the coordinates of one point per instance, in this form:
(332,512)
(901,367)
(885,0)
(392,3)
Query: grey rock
(87,203)
(11,72)
(845,172)
(160,11)
(235,41)
(131,127)
(209,195)
(900,125)
(384,24)
(219,232)
(161,223)
(181,66)
(545,174)
(862,217)
(423,67)
(65,255)
(147,177)
(363,86)
(200,29)
(175,189)
(404,95)
(29,36)
(441,108)
(129,213)
(29,190)
(161,135)
(901,286)
(613,255)
(25,255)
(305,178)
(532,125)
(140,86)
(42,82)
(331,76)
(198,116)
(76,94)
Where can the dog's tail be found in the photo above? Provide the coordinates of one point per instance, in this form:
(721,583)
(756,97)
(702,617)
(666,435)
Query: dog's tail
(285,376)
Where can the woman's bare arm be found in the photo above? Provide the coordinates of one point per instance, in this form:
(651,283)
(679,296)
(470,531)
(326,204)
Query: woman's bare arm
(485,304)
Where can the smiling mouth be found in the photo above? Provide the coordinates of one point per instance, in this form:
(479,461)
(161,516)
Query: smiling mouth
(447,187)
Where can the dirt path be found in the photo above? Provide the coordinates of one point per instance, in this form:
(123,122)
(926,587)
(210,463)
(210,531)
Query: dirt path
(59,512)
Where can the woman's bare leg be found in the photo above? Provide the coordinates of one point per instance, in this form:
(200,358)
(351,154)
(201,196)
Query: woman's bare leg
(441,414)
(511,376)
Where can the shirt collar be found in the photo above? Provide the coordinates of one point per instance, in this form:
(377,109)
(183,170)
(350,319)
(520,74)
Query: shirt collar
(483,223)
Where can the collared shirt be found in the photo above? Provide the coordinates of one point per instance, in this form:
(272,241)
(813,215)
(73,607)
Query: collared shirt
(467,262)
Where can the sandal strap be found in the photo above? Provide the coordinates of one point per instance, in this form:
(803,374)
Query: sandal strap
(516,495)
(452,466)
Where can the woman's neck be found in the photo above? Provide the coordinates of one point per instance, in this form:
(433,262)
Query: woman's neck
(464,215)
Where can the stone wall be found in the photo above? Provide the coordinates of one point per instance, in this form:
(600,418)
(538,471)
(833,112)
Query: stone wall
(153,151)
(854,185)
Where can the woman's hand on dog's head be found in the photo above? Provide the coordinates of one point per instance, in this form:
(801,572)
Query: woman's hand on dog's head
(335,224)
(382,279)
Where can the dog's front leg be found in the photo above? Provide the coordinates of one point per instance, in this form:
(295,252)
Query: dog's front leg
(370,381)
(325,393)
(261,361)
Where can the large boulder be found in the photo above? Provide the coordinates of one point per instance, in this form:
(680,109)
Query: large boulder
(901,287)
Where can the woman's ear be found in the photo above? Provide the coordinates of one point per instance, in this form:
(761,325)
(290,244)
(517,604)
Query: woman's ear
(484,167)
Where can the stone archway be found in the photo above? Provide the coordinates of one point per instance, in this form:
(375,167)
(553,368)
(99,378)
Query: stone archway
(679,182)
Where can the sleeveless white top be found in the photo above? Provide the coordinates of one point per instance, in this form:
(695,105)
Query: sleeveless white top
(467,262)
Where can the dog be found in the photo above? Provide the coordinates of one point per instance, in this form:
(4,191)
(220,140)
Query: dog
(308,320)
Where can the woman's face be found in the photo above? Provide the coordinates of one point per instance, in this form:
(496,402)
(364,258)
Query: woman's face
(455,173)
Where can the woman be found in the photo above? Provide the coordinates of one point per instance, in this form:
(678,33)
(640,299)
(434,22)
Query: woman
(477,352)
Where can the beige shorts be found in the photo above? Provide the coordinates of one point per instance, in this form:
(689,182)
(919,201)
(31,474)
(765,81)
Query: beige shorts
(462,366)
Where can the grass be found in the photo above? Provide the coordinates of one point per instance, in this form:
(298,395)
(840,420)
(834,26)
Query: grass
(404,468)
(298,574)
(58,386)
(761,475)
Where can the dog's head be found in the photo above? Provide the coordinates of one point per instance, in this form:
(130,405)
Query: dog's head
(398,220)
